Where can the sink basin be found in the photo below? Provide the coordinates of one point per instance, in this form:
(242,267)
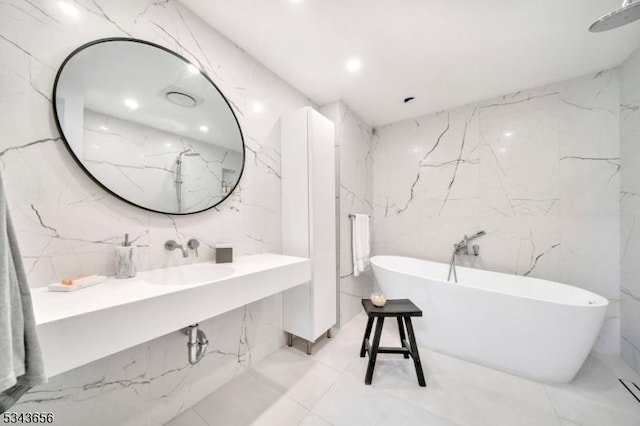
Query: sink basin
(197,273)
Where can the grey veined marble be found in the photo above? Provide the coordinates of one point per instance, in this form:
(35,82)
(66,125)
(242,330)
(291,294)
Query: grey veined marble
(126,262)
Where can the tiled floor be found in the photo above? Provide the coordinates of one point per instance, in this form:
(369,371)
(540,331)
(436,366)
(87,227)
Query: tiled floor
(327,388)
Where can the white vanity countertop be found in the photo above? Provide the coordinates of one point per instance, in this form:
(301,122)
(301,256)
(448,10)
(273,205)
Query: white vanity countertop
(53,306)
(118,314)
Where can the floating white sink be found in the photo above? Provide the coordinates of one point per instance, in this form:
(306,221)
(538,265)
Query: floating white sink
(119,314)
(197,273)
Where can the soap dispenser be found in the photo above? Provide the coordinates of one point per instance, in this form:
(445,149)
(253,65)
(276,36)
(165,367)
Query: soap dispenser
(126,259)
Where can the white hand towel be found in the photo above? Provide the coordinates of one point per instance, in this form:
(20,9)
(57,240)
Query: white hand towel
(360,243)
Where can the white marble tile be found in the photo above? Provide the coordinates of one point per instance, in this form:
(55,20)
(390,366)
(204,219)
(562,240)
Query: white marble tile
(188,418)
(303,378)
(240,402)
(629,352)
(91,392)
(519,171)
(589,116)
(630,209)
(284,412)
(312,419)
(595,396)
(523,245)
(351,402)
(590,185)
(594,242)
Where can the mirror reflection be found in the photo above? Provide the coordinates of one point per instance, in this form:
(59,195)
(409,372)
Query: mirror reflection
(148,126)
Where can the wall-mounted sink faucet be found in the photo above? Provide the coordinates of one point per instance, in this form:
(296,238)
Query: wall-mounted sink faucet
(462,248)
(172,245)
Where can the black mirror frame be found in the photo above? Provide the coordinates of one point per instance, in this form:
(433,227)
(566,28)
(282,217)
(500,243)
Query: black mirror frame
(88,173)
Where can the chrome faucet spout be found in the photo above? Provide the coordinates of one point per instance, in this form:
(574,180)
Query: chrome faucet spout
(172,245)
(463,246)
(474,236)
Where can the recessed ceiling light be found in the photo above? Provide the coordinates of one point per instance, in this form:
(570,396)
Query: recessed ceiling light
(104,128)
(193,69)
(204,129)
(353,65)
(508,134)
(68,8)
(258,107)
(131,103)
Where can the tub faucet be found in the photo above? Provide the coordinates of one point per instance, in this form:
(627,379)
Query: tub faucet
(462,247)
(172,245)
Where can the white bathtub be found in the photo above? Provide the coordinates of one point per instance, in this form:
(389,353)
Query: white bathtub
(526,326)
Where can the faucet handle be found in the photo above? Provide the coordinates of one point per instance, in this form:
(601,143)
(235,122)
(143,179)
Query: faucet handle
(171,245)
(193,244)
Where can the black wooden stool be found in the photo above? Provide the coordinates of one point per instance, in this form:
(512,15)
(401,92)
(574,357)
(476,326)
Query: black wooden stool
(403,310)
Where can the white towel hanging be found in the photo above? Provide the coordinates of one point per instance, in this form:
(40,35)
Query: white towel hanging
(360,243)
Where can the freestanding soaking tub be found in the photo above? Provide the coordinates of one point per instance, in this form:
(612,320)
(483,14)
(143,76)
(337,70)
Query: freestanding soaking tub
(534,328)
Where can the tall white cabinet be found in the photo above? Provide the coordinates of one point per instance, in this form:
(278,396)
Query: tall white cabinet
(309,221)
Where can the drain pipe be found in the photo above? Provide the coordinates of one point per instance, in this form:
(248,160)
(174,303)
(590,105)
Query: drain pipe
(196,343)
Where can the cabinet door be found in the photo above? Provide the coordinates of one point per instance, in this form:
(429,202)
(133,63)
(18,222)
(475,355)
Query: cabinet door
(322,200)
(295,184)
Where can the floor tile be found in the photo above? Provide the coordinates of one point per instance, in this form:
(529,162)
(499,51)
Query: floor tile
(526,391)
(596,396)
(314,420)
(284,412)
(188,418)
(299,376)
(240,402)
(350,402)
(466,404)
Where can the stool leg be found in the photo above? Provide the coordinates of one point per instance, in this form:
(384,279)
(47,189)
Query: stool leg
(367,333)
(402,336)
(414,352)
(374,351)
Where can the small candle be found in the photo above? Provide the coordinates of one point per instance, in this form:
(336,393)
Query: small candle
(378,300)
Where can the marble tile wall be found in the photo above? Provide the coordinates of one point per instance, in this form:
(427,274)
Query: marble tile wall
(355,193)
(630,209)
(538,170)
(67,225)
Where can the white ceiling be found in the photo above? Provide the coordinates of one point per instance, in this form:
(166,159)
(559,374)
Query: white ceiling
(445,53)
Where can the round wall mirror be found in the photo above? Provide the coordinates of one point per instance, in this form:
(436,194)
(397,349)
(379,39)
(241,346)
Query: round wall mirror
(148,126)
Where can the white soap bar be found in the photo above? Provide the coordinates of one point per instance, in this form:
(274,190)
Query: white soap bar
(78,284)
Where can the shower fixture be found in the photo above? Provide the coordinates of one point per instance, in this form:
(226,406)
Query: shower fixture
(188,153)
(627,13)
(462,248)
